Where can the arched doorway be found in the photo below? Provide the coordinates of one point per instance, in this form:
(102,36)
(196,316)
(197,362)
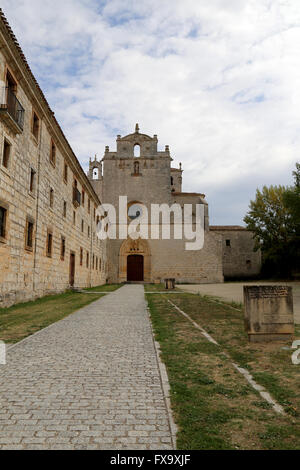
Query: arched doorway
(135,268)
(134,261)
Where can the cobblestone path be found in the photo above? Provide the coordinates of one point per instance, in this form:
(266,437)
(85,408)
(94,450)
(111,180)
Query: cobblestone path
(90,381)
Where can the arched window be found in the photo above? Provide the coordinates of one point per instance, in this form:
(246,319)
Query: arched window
(135,210)
(95,173)
(137,150)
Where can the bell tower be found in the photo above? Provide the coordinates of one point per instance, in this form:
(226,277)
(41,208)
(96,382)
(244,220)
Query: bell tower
(95,175)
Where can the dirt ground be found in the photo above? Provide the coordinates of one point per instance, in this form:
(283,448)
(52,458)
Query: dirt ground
(233,291)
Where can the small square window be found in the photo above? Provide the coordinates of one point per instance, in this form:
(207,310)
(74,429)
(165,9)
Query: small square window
(6,153)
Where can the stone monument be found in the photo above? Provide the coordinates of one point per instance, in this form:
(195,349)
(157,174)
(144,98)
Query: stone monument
(269,313)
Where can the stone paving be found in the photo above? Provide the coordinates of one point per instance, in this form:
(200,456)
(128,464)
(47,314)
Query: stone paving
(90,381)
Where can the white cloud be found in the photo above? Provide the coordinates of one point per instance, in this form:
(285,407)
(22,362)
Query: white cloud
(217,81)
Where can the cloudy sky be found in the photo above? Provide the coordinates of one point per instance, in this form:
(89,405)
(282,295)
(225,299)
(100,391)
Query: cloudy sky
(217,80)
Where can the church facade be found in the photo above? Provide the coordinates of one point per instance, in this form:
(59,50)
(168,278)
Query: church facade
(142,173)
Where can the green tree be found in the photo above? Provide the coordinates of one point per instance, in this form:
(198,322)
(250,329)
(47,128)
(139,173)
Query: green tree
(274,218)
(292,199)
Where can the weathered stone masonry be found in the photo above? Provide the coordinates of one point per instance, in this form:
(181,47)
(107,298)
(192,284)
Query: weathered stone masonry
(47,203)
(146,177)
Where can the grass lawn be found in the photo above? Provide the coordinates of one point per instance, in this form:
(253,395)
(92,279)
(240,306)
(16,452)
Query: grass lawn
(214,406)
(22,320)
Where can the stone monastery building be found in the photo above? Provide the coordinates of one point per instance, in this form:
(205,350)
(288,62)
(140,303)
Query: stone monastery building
(48,205)
(145,175)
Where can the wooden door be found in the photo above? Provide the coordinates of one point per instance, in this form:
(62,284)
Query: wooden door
(72,269)
(135,268)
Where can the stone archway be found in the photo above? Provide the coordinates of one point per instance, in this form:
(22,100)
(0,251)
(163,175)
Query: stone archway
(134,247)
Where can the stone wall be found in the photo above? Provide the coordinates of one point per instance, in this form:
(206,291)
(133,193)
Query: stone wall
(169,259)
(176,180)
(239,258)
(27,272)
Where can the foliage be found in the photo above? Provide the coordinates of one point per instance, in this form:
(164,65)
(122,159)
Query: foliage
(274,218)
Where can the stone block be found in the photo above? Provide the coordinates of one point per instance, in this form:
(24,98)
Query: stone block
(170,284)
(269,313)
